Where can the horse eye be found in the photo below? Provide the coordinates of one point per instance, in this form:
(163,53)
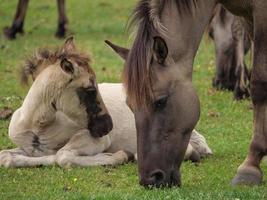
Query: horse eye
(160,103)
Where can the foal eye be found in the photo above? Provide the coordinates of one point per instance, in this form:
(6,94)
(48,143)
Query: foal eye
(160,103)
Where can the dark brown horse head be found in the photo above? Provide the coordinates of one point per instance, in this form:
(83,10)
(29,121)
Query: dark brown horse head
(163,127)
(158,80)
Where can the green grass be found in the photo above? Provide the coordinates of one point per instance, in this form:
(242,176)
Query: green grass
(228,132)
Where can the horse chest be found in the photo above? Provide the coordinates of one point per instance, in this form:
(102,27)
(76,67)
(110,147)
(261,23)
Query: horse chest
(60,131)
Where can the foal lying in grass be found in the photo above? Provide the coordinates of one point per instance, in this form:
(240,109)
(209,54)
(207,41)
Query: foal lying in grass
(63,119)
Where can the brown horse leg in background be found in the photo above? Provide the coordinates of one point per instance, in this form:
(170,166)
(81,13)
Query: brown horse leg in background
(17,25)
(231,40)
(62,19)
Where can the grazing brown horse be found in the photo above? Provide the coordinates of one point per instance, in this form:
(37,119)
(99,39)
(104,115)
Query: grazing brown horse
(158,80)
(232,42)
(17,24)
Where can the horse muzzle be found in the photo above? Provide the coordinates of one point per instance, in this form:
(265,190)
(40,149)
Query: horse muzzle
(159,178)
(100,125)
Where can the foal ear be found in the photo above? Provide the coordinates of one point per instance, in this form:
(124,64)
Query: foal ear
(69,44)
(66,66)
(121,51)
(160,49)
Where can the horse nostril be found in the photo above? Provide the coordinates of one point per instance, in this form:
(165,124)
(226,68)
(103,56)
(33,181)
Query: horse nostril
(158,176)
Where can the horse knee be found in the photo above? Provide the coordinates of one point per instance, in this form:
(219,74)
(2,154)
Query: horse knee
(64,158)
(19,138)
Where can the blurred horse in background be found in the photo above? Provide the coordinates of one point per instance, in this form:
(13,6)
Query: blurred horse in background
(232,42)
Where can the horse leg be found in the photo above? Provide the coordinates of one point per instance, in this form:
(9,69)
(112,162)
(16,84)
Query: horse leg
(17,25)
(19,158)
(249,171)
(241,89)
(85,150)
(62,19)
(31,143)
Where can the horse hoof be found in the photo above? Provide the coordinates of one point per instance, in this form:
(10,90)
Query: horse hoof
(9,33)
(248,177)
(6,159)
(64,159)
(61,30)
(60,34)
(195,157)
(241,94)
(130,156)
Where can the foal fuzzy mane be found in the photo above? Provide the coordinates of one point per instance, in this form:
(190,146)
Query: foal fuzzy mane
(42,58)
(137,72)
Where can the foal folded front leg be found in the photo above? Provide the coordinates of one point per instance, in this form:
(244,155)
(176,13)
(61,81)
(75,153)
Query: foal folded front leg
(19,158)
(85,150)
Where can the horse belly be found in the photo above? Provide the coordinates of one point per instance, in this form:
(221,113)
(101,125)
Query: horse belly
(123,134)
(239,7)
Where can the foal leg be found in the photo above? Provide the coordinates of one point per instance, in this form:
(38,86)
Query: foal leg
(85,150)
(249,171)
(17,25)
(31,152)
(19,158)
(62,19)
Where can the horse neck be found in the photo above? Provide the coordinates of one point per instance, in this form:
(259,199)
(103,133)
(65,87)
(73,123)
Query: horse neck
(43,92)
(186,29)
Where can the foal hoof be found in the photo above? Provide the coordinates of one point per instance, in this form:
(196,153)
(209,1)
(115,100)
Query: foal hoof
(250,176)
(130,156)
(6,159)
(195,157)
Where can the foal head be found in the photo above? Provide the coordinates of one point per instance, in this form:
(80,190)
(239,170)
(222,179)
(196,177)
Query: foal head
(66,82)
(158,81)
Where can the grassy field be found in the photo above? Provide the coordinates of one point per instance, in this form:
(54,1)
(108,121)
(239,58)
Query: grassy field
(226,124)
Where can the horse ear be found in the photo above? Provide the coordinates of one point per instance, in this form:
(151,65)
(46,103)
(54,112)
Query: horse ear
(66,66)
(69,45)
(160,49)
(121,51)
